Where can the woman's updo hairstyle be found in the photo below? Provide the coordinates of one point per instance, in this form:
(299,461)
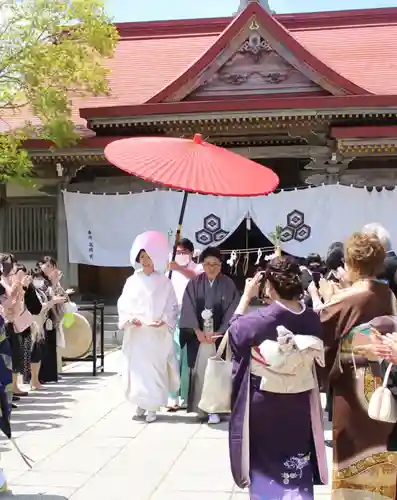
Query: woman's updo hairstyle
(284,275)
(47,260)
(36,272)
(364,255)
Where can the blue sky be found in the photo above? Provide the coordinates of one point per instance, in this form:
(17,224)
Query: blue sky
(151,10)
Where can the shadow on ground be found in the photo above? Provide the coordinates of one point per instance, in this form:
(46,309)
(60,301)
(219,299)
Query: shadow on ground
(37,410)
(33,496)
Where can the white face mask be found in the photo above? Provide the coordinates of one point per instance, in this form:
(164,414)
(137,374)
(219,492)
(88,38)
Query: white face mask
(182,259)
(37,283)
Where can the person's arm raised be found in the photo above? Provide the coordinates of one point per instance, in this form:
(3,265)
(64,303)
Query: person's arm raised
(251,290)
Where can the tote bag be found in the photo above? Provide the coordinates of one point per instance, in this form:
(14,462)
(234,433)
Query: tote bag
(217,388)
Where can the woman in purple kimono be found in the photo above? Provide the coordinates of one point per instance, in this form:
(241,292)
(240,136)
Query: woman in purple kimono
(276,436)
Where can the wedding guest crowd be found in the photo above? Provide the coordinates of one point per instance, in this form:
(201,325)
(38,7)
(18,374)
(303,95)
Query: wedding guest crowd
(31,310)
(330,324)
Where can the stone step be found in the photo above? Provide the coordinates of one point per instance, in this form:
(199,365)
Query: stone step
(114,337)
(111,325)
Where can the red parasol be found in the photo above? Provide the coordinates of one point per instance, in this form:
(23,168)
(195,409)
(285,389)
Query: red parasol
(192,166)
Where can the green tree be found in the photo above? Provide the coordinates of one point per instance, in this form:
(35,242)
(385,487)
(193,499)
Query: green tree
(51,51)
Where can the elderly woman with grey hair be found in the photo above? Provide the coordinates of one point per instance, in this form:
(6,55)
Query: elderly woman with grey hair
(390,264)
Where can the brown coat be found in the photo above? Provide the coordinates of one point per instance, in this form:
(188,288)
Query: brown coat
(353,431)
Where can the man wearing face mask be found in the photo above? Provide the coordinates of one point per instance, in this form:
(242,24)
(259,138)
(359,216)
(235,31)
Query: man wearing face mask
(183,270)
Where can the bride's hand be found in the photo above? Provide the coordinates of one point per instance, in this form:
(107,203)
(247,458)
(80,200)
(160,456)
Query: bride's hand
(157,324)
(251,289)
(136,322)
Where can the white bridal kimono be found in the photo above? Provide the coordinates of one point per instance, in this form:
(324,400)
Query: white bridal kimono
(150,368)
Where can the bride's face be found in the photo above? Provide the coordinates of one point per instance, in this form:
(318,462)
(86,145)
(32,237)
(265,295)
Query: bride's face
(145,260)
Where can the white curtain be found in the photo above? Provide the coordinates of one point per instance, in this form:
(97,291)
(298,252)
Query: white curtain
(314,218)
(101,228)
(209,220)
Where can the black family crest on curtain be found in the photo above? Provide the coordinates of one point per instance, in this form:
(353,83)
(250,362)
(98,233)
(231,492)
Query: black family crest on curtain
(212,231)
(296,229)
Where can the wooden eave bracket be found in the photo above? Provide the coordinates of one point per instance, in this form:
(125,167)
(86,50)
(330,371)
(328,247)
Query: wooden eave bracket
(364,147)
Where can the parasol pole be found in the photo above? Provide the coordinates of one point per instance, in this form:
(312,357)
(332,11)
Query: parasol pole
(179,229)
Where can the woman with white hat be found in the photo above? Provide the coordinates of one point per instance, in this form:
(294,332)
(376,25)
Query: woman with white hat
(148,312)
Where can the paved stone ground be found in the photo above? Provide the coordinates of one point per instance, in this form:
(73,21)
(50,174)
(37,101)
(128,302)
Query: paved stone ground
(86,446)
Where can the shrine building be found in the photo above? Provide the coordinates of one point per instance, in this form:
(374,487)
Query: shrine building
(312,96)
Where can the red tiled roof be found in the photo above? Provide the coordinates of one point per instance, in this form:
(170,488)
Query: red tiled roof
(142,67)
(365,55)
(277,35)
(139,69)
(358,45)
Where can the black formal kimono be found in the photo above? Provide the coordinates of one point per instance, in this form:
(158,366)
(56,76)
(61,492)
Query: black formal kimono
(221,297)
(49,362)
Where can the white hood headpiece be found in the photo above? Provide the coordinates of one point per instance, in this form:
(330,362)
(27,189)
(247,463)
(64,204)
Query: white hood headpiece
(155,245)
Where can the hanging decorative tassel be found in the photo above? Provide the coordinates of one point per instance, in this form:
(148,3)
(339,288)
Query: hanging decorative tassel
(233,256)
(236,265)
(246,263)
(258,259)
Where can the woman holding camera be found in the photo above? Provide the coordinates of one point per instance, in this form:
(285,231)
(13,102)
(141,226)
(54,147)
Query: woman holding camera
(275,451)
(21,304)
(52,289)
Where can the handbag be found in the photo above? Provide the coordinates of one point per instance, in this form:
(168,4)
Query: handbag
(217,387)
(22,321)
(382,405)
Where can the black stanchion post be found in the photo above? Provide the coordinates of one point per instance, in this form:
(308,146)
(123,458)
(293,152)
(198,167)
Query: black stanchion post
(94,342)
(103,336)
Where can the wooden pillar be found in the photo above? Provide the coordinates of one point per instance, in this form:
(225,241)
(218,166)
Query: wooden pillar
(70,271)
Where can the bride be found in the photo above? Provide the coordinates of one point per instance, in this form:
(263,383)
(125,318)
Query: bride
(148,313)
